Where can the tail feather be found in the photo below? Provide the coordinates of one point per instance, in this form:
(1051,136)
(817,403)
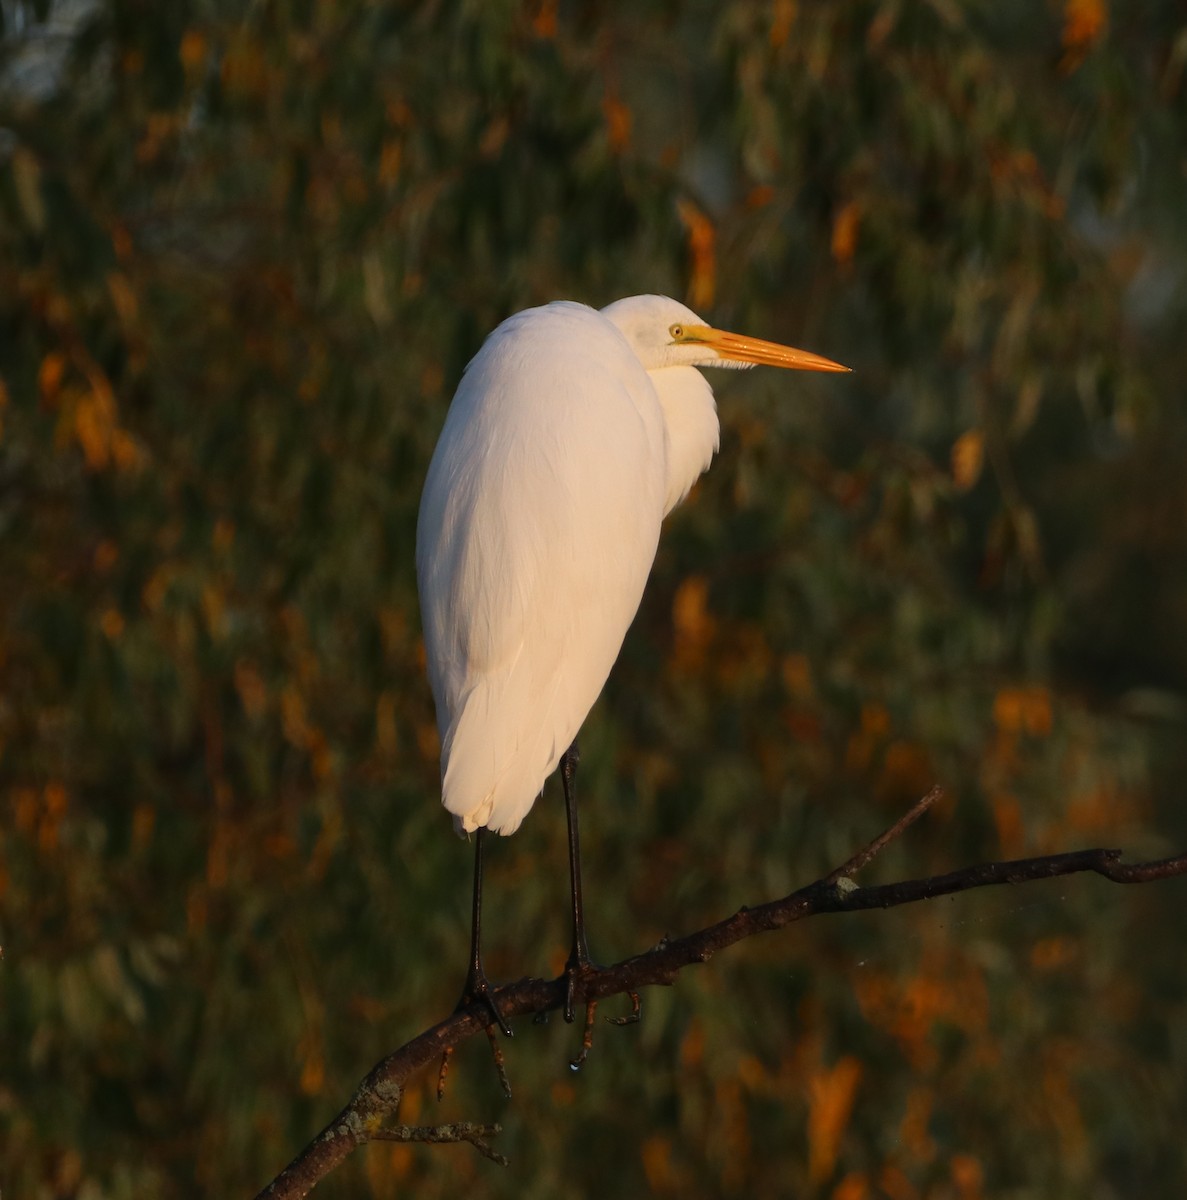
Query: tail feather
(492,771)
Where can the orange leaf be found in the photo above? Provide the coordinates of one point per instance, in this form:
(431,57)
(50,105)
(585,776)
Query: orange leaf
(895,1185)
(106,555)
(967,1175)
(1011,832)
(797,676)
(855,1186)
(968,456)
(831,1093)
(327,842)
(845,227)
(192,50)
(1037,712)
(95,424)
(913,1132)
(297,729)
(222,537)
(906,769)
(692,623)
(244,73)
(782,19)
(1023,708)
(144,819)
(391,155)
(123,297)
(692,1046)
(618,122)
(760,195)
(702,251)
(1007,710)
(313,1073)
(1083,23)
(1061,1106)
(657,1163)
(875,719)
(25,809)
(49,376)
(126,454)
(1049,954)
(544,19)
(112,624)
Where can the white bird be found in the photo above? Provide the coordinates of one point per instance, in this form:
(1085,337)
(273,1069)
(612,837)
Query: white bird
(572,434)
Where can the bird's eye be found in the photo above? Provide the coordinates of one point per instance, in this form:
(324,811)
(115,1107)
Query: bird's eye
(677,332)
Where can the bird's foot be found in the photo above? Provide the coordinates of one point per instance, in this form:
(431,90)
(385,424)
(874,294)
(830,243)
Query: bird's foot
(579,973)
(496,1053)
(580,970)
(591,1010)
(479,991)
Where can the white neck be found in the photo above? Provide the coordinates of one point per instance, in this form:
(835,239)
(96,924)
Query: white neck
(690,415)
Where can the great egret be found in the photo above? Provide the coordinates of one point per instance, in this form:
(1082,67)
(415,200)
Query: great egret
(572,434)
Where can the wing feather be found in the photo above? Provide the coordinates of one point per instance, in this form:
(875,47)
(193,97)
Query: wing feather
(537,531)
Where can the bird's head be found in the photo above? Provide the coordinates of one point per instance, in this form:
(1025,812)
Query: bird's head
(664,333)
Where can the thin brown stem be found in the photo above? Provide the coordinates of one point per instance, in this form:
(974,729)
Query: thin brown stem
(868,852)
(459,1131)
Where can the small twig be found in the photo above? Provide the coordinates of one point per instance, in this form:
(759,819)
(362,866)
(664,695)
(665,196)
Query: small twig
(460,1131)
(1144,872)
(867,853)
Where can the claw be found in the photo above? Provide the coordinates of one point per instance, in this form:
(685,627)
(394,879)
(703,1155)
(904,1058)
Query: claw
(591,1008)
(578,974)
(500,1065)
(496,1053)
(634,1016)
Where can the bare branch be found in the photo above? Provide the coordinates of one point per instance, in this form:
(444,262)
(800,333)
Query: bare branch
(866,855)
(461,1131)
(378,1097)
(1145,872)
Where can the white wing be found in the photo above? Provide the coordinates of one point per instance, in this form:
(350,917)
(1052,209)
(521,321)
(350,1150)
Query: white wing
(538,527)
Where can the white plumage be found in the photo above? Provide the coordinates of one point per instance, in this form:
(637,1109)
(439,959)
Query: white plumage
(571,436)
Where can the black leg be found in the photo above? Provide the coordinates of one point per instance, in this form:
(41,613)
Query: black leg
(477,985)
(579,963)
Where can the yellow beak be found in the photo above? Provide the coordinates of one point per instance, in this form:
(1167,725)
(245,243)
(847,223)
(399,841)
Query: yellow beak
(739,348)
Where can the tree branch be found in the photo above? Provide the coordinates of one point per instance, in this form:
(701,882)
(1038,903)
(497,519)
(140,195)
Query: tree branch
(462,1131)
(377,1099)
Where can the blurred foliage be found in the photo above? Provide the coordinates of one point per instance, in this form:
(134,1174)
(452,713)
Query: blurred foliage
(245,252)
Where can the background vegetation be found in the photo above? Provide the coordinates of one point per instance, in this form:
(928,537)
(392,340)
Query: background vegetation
(245,252)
